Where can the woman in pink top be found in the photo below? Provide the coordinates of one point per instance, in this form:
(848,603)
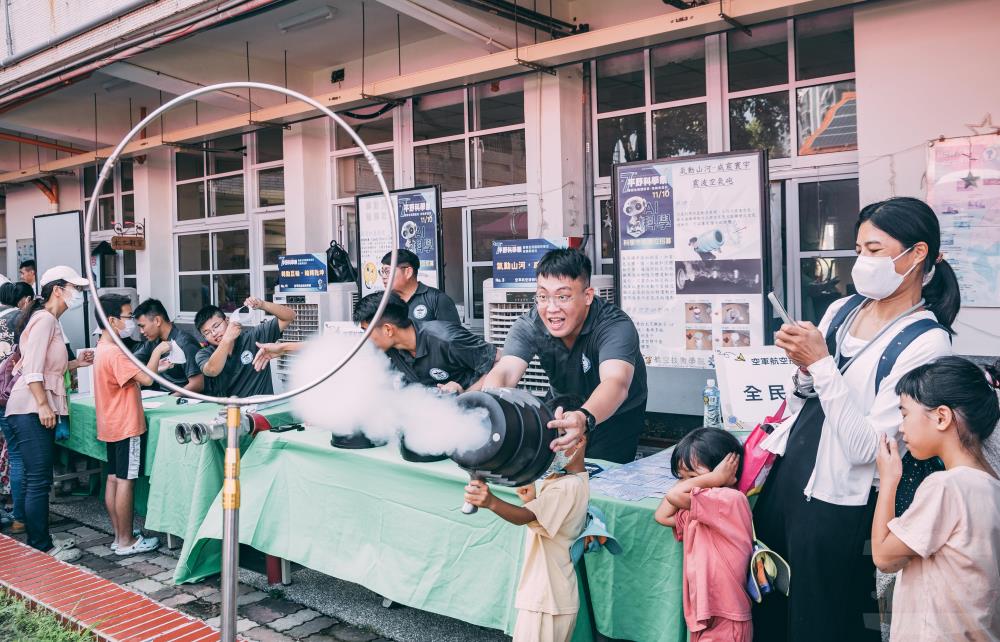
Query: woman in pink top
(946,546)
(713,520)
(38,398)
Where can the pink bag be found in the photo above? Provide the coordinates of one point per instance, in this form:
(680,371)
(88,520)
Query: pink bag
(757,462)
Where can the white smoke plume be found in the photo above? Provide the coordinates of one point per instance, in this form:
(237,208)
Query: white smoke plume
(366,397)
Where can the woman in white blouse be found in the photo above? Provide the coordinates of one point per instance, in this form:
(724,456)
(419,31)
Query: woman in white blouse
(817,504)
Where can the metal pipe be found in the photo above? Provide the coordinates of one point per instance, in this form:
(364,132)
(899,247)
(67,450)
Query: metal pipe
(72,33)
(231,524)
(588,171)
(15,138)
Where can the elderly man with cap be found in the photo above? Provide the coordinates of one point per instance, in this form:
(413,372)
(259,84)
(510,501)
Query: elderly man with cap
(425,303)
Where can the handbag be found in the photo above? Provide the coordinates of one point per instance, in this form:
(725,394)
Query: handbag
(757,462)
(769,572)
(338,265)
(9,374)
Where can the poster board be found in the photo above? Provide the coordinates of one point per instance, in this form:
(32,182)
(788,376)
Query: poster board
(963,188)
(418,212)
(751,384)
(693,262)
(514,261)
(59,241)
(302,272)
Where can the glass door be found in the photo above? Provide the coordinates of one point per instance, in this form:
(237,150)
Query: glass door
(480,227)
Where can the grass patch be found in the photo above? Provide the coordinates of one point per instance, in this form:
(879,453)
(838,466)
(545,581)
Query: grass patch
(18,623)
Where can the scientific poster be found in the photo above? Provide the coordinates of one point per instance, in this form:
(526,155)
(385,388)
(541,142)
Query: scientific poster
(417,213)
(691,269)
(963,188)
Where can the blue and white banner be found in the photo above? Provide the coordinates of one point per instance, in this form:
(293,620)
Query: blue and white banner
(302,272)
(514,261)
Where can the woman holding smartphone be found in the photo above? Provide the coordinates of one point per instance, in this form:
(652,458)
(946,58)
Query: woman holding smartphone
(817,504)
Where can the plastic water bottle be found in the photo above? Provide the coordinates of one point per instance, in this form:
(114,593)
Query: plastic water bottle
(712,415)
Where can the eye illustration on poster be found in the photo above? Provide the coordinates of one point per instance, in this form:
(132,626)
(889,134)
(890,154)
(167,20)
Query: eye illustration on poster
(692,251)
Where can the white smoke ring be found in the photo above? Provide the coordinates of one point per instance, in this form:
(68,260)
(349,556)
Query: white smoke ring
(108,168)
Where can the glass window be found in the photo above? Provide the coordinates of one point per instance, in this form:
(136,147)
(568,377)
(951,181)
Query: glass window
(129,260)
(440,114)
(106,213)
(608,245)
(678,70)
(824,280)
(498,159)
(226,195)
(125,173)
(195,292)
(190,201)
(271,187)
(619,140)
(270,284)
(680,131)
(760,60)
(620,82)
(496,104)
(828,211)
(227,154)
(495,224)
(440,164)
(90,181)
(760,122)
(192,253)
(231,290)
(479,274)
(824,44)
(372,130)
(274,241)
(349,222)
(355,175)
(232,250)
(270,144)
(189,165)
(128,209)
(827,117)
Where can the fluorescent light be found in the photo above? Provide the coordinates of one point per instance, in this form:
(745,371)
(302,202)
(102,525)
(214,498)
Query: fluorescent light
(307,19)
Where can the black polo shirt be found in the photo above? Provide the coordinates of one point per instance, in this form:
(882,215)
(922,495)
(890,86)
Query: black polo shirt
(445,352)
(608,333)
(431,304)
(238,377)
(180,373)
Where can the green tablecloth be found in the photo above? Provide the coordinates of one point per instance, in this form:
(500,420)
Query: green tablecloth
(369,517)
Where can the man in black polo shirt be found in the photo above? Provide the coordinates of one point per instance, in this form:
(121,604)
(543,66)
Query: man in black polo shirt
(435,353)
(167,349)
(425,303)
(587,348)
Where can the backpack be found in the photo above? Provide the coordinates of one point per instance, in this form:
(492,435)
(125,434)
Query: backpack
(338,265)
(914,470)
(9,374)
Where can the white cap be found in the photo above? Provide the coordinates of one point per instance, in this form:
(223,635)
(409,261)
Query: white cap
(62,273)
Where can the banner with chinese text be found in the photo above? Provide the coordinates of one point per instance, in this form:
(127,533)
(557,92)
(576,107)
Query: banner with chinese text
(751,384)
(691,235)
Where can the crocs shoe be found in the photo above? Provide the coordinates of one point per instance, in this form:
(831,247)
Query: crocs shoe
(142,545)
(65,551)
(137,533)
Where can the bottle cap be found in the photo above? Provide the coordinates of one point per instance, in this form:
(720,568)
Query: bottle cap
(711,382)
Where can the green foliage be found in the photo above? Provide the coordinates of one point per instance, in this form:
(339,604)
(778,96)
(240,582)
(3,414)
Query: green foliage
(18,623)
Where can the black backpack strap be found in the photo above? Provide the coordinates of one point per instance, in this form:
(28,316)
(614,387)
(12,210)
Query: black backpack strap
(851,305)
(899,343)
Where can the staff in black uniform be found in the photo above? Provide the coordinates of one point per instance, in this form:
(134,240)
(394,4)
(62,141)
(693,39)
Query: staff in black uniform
(425,303)
(435,353)
(587,348)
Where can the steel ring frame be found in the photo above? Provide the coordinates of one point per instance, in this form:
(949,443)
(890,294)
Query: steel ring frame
(109,167)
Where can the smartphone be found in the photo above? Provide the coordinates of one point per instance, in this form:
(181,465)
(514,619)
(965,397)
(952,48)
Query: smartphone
(780,309)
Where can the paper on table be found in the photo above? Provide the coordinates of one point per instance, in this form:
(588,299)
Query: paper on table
(149,394)
(646,477)
(152,404)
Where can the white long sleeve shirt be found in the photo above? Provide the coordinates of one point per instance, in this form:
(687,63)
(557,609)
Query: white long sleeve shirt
(855,416)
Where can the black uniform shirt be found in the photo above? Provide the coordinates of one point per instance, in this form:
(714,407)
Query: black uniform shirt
(445,352)
(431,304)
(177,374)
(238,377)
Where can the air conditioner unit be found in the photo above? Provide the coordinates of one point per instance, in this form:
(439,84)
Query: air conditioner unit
(312,311)
(504,306)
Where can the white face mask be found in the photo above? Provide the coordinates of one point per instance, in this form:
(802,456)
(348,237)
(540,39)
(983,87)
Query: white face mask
(129,329)
(74,300)
(875,277)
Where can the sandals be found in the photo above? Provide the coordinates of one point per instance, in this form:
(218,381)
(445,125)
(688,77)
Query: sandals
(65,550)
(136,532)
(142,545)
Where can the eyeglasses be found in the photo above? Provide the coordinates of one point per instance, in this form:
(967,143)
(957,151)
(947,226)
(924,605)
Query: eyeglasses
(126,316)
(560,299)
(384,270)
(213,329)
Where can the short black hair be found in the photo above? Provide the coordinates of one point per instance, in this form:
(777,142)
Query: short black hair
(206,314)
(27,265)
(151,308)
(565,262)
(11,293)
(396,311)
(706,447)
(112,305)
(403,257)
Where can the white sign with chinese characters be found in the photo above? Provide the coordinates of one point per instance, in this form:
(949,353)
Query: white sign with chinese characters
(751,384)
(691,250)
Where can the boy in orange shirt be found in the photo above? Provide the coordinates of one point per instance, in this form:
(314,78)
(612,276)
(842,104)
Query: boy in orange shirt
(121,423)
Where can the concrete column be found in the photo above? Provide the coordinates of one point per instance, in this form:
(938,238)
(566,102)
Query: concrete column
(308,218)
(156,272)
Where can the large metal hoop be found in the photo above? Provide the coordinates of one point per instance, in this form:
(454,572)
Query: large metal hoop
(106,172)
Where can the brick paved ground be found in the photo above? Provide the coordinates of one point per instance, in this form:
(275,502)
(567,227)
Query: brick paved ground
(263,616)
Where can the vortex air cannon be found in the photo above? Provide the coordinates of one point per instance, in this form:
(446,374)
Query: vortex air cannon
(200,433)
(517,451)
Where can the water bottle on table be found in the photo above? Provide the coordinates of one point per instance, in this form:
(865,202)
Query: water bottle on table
(712,415)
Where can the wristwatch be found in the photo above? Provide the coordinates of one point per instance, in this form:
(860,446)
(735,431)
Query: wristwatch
(591,420)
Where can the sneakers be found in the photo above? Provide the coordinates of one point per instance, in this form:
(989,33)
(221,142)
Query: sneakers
(136,532)
(65,550)
(142,545)
(17,528)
